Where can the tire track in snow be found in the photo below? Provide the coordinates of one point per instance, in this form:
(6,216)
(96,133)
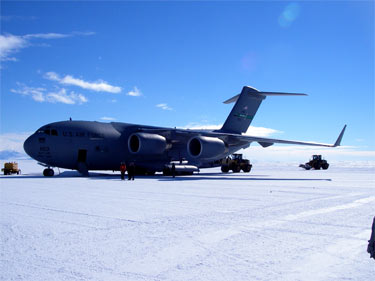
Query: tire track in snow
(355,204)
(91,227)
(217,236)
(71,212)
(72,271)
(328,264)
(178,253)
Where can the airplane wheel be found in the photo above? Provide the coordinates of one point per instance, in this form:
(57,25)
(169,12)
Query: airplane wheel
(48,172)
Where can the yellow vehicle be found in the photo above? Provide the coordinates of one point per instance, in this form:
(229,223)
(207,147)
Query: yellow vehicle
(11,168)
(236,163)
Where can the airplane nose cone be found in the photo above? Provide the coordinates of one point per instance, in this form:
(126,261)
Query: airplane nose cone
(29,146)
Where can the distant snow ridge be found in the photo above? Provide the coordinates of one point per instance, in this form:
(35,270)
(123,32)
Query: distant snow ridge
(12,154)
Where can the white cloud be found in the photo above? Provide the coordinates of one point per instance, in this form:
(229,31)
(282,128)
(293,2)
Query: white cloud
(36,94)
(163,106)
(42,95)
(47,35)
(135,92)
(261,131)
(197,126)
(62,97)
(107,118)
(98,86)
(252,131)
(52,76)
(10,44)
(80,33)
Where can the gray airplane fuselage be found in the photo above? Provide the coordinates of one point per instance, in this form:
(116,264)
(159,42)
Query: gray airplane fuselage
(87,145)
(103,146)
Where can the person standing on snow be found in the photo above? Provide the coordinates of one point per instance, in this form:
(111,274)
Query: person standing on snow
(131,171)
(371,242)
(173,170)
(123,170)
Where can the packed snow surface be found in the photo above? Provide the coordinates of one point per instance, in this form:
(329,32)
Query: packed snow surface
(278,222)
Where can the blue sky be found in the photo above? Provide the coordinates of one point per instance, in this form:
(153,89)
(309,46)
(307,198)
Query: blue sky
(174,63)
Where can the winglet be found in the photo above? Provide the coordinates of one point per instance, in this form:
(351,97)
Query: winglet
(338,141)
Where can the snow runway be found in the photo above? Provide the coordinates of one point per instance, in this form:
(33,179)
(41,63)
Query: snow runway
(278,222)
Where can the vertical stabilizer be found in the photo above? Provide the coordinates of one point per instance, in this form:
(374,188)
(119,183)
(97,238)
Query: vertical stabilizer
(243,112)
(247,104)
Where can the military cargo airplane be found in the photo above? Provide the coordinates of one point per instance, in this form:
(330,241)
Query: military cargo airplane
(87,145)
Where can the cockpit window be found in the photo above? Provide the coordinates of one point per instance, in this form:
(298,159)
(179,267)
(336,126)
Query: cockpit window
(47,131)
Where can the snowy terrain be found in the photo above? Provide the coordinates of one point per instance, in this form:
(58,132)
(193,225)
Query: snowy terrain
(277,223)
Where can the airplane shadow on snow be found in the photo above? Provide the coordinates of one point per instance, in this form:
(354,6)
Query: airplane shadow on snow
(233,177)
(159,177)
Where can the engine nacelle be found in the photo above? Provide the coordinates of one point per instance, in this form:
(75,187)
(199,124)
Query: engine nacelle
(147,144)
(205,147)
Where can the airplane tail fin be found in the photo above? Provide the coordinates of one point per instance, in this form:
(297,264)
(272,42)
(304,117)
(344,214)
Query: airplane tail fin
(245,108)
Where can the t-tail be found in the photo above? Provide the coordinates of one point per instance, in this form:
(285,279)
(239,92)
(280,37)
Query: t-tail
(245,108)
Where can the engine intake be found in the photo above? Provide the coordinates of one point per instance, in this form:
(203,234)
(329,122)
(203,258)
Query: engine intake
(205,147)
(144,143)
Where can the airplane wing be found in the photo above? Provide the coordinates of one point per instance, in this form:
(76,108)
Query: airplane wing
(238,121)
(265,142)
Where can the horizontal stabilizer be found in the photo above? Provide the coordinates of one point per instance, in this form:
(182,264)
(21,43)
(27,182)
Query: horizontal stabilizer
(280,94)
(233,99)
(256,92)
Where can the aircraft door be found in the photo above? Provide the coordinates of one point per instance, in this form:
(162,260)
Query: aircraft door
(82,166)
(82,155)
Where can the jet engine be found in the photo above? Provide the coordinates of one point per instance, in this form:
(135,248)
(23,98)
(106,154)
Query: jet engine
(205,147)
(144,143)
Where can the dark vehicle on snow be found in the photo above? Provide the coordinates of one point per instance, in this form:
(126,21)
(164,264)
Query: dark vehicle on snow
(316,163)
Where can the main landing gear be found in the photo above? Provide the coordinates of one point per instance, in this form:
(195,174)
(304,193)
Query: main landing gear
(48,172)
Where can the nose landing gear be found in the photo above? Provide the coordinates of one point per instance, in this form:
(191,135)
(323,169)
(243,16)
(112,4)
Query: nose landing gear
(48,172)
